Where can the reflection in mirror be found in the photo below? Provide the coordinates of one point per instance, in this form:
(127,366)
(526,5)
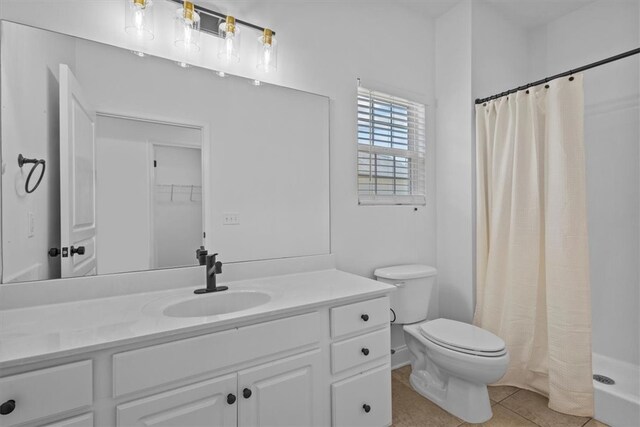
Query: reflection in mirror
(120,193)
(100,116)
(154,169)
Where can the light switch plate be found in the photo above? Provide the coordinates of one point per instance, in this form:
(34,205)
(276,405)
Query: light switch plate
(230,218)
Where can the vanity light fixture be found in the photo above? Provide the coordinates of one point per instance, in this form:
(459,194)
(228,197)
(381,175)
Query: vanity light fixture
(229,49)
(139,18)
(191,20)
(267,51)
(187,27)
(182,64)
(221,74)
(255,82)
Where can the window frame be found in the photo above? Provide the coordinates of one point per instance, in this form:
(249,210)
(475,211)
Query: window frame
(414,155)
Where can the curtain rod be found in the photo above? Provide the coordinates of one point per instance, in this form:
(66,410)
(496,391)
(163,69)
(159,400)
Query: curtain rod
(566,73)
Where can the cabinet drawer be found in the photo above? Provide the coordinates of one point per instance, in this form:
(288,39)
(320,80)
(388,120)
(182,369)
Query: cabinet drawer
(47,392)
(165,363)
(85,420)
(371,388)
(359,316)
(359,350)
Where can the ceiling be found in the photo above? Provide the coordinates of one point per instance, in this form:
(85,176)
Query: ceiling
(527,13)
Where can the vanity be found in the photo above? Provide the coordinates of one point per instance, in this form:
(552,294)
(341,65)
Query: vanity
(315,351)
(116,167)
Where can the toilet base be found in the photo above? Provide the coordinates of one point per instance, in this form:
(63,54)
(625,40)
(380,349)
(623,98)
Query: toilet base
(467,401)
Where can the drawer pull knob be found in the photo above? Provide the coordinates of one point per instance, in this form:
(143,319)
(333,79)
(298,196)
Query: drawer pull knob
(246,393)
(365,351)
(365,317)
(7,407)
(231,399)
(366,408)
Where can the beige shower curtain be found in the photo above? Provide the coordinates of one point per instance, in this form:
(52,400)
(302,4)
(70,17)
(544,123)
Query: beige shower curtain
(532,248)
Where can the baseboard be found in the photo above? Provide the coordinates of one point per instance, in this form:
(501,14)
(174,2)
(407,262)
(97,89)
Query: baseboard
(400,357)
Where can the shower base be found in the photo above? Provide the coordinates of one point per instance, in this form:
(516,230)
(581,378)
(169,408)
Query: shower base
(617,404)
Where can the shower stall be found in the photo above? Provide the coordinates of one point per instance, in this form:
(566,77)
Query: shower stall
(612,154)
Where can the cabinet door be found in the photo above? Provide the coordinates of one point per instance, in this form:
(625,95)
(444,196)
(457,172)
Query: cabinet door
(201,404)
(85,420)
(286,392)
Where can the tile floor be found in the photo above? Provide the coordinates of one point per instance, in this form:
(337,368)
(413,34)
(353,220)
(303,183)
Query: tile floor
(511,407)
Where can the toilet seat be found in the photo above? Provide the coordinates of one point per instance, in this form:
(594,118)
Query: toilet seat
(463,338)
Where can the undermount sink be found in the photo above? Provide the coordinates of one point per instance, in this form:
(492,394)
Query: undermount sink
(217,303)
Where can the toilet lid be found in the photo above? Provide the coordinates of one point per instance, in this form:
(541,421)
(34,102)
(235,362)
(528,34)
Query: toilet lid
(463,337)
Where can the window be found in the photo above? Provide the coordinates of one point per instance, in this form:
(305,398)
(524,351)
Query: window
(391,150)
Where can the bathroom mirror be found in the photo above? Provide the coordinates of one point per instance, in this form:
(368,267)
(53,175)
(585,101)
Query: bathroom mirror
(142,161)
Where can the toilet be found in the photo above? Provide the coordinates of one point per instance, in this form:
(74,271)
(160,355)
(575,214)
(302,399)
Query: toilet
(451,362)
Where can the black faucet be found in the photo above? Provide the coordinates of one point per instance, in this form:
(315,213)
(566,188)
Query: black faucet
(213,267)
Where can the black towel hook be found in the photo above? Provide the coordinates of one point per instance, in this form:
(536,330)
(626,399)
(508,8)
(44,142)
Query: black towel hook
(21,161)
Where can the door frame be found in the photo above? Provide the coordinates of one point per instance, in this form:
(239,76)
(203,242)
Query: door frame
(152,146)
(205,150)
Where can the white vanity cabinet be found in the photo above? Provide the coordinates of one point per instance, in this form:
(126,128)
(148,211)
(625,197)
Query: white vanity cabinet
(301,369)
(360,350)
(209,402)
(46,393)
(279,393)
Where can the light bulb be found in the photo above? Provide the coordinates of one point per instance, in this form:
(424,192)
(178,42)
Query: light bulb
(221,74)
(138,53)
(183,64)
(229,49)
(139,18)
(229,45)
(267,51)
(256,82)
(266,54)
(186,27)
(187,35)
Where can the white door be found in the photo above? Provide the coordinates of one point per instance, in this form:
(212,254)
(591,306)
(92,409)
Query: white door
(77,179)
(209,403)
(286,392)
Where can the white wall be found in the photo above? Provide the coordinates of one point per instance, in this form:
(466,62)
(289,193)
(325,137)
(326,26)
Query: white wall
(599,30)
(313,58)
(454,162)
(127,235)
(33,135)
(499,50)
(268,147)
(177,211)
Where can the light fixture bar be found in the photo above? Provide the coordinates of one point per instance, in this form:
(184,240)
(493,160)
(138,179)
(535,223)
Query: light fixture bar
(221,17)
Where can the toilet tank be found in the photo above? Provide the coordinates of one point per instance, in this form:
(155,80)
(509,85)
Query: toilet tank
(414,287)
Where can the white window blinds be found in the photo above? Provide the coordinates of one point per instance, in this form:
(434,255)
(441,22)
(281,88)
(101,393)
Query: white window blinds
(391,149)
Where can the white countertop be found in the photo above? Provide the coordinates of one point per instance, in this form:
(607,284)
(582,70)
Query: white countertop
(39,333)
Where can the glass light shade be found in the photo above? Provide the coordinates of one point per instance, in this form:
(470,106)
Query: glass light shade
(267,52)
(187,28)
(229,49)
(139,18)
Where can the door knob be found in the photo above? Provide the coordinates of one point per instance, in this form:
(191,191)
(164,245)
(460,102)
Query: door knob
(79,250)
(366,408)
(365,317)
(246,393)
(365,351)
(7,407)
(231,399)
(54,252)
